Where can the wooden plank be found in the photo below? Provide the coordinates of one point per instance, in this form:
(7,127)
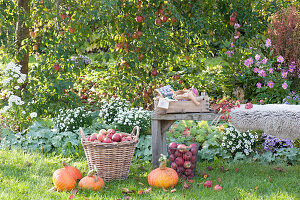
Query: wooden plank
(185,116)
(156,142)
(165,125)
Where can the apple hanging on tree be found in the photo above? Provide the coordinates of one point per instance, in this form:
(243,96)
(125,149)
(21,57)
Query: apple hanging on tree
(56,67)
(139,19)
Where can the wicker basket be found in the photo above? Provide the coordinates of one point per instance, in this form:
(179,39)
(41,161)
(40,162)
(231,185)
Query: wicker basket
(112,160)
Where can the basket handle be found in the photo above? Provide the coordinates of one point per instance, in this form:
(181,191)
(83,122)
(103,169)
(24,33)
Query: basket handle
(81,133)
(137,129)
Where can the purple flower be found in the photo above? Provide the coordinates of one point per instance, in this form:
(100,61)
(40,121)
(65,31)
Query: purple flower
(258,85)
(255,70)
(271,70)
(250,61)
(264,61)
(261,101)
(257,57)
(231,44)
(236,26)
(292,67)
(270,84)
(246,63)
(268,43)
(229,53)
(284,74)
(262,73)
(280,59)
(236,37)
(284,85)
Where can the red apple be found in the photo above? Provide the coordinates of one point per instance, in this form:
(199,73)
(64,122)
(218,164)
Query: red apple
(180,169)
(218,187)
(187,155)
(187,164)
(89,138)
(174,166)
(116,137)
(177,153)
(188,172)
(134,35)
(32,34)
(71,30)
(56,67)
(161,11)
(140,57)
(158,22)
(122,135)
(179,161)
(107,140)
(180,81)
(154,73)
(164,18)
(139,19)
(173,20)
(208,184)
(103,132)
(62,16)
(182,148)
(139,33)
(111,131)
(194,148)
(172,147)
(94,137)
(100,137)
(128,138)
(172,157)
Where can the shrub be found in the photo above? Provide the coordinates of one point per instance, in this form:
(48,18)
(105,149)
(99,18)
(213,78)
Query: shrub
(293,98)
(284,31)
(235,141)
(273,144)
(127,119)
(72,119)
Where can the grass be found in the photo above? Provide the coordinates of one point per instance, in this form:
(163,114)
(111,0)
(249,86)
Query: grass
(29,176)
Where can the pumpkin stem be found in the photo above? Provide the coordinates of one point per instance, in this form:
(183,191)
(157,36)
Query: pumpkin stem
(64,163)
(93,171)
(163,161)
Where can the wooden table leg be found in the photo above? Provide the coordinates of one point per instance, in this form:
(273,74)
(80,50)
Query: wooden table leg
(159,145)
(156,142)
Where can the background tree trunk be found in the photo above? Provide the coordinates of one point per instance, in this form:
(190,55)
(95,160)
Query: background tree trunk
(22,33)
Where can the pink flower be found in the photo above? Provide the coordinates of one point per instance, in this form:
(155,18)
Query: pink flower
(280,59)
(284,85)
(284,74)
(271,84)
(262,73)
(246,63)
(264,61)
(261,101)
(236,26)
(255,70)
(258,85)
(236,37)
(268,43)
(257,57)
(250,61)
(271,70)
(231,44)
(229,53)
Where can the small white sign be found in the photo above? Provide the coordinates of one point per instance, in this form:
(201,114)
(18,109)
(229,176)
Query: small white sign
(163,103)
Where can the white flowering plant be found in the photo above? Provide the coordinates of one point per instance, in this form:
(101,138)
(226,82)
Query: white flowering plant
(72,119)
(127,119)
(110,109)
(235,141)
(13,110)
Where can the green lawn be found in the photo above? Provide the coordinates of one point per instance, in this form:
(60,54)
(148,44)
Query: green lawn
(29,176)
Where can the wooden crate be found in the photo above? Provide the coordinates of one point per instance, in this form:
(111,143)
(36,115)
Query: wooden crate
(185,106)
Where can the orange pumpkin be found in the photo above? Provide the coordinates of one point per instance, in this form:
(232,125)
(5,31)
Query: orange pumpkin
(73,171)
(163,177)
(91,181)
(63,180)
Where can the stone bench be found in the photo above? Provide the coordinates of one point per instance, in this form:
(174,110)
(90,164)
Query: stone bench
(280,120)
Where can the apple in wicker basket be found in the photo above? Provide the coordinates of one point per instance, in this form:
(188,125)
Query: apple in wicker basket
(116,137)
(100,137)
(94,137)
(107,140)
(103,132)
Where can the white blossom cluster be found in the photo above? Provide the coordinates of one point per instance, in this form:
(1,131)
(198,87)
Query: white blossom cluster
(86,60)
(127,119)
(235,141)
(13,79)
(71,119)
(110,109)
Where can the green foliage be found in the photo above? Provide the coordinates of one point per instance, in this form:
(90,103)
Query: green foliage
(43,139)
(143,149)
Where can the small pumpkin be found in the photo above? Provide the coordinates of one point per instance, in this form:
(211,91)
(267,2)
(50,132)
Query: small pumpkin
(91,181)
(163,177)
(63,180)
(73,171)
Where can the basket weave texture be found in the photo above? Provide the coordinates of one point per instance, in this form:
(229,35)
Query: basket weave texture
(112,160)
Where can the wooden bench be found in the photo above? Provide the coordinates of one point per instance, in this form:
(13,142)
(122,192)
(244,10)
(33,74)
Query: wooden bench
(162,122)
